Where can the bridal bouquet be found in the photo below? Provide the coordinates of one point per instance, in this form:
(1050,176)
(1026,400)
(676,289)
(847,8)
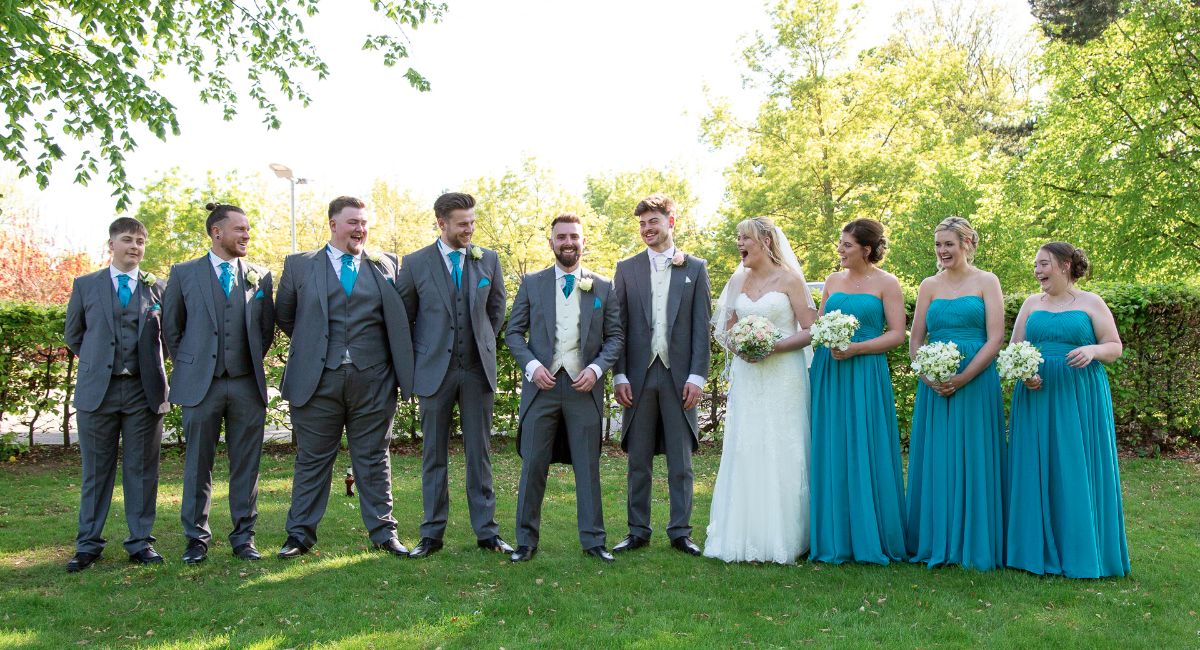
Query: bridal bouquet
(937,361)
(834,330)
(1018,362)
(753,337)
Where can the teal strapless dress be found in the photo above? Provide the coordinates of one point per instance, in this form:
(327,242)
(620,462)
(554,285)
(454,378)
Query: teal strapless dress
(857,489)
(1065,514)
(956,466)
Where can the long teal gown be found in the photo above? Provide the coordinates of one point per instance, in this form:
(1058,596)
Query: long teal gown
(956,465)
(1065,515)
(857,488)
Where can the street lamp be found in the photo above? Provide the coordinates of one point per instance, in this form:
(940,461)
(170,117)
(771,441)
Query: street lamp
(283,171)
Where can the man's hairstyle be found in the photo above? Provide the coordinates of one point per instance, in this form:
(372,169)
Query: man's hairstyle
(126,225)
(343,202)
(660,203)
(218,212)
(451,201)
(566,217)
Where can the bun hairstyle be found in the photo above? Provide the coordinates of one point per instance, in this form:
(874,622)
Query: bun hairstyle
(966,235)
(1062,252)
(869,233)
(762,231)
(217,212)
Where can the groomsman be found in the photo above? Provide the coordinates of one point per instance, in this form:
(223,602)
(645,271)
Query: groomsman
(563,318)
(219,322)
(113,327)
(351,349)
(665,303)
(453,292)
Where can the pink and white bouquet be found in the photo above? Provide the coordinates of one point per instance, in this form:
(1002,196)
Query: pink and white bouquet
(937,361)
(1019,361)
(834,330)
(753,337)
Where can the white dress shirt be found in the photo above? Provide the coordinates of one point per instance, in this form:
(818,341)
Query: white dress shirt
(559,283)
(134,277)
(335,258)
(446,250)
(216,262)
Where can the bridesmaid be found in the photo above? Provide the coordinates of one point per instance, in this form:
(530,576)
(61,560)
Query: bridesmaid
(956,454)
(855,480)
(1065,513)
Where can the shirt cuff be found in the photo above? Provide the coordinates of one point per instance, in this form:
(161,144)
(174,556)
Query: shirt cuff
(530,367)
(619,379)
(596,369)
(697,380)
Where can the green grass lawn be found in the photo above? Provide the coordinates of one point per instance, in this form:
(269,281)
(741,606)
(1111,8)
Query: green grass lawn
(344,595)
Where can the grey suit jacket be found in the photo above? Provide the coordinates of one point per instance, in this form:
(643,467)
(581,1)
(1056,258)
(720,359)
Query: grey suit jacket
(689,309)
(190,314)
(91,334)
(426,288)
(530,333)
(302,312)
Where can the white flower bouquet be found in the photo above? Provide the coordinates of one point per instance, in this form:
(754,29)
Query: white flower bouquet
(937,361)
(1019,361)
(834,330)
(753,337)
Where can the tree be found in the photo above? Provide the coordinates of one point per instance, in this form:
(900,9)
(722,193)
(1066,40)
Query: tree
(1075,21)
(613,198)
(30,269)
(87,69)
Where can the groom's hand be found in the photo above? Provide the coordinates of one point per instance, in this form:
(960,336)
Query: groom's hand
(624,395)
(691,396)
(542,378)
(586,380)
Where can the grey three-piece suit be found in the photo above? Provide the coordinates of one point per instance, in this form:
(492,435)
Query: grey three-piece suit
(657,423)
(327,394)
(454,342)
(120,395)
(544,413)
(217,344)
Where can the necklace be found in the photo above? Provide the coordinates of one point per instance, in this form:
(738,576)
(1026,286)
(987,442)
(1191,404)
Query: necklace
(955,289)
(1046,299)
(858,283)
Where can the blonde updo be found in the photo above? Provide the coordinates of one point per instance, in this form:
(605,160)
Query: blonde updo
(761,230)
(967,237)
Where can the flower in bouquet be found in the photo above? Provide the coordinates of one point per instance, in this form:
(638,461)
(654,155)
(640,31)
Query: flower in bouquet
(754,337)
(937,361)
(1019,362)
(834,330)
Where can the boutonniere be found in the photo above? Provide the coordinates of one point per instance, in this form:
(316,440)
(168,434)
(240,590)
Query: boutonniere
(149,279)
(585,284)
(679,260)
(252,277)
(475,252)
(375,257)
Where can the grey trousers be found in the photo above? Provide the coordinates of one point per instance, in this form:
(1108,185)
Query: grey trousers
(469,389)
(362,403)
(561,406)
(122,416)
(660,407)
(236,402)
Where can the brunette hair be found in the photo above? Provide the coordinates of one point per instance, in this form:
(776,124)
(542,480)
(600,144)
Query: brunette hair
(451,201)
(124,225)
(218,212)
(1061,251)
(566,217)
(869,233)
(343,202)
(657,202)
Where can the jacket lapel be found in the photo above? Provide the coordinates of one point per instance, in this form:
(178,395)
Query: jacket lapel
(586,307)
(145,298)
(436,266)
(201,273)
(248,289)
(320,279)
(550,304)
(643,275)
(675,295)
(108,295)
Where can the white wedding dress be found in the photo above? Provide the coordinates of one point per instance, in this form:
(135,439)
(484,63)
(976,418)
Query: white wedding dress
(760,501)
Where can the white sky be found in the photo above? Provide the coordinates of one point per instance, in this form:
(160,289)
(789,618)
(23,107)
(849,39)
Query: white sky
(585,88)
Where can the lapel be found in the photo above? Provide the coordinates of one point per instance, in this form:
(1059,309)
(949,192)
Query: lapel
(108,295)
(201,274)
(144,298)
(321,279)
(642,277)
(675,295)
(436,266)
(470,279)
(550,301)
(248,290)
(587,300)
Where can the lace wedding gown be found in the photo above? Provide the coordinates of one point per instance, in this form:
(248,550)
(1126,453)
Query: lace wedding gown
(760,500)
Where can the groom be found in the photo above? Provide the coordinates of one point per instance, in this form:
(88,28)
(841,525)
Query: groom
(665,307)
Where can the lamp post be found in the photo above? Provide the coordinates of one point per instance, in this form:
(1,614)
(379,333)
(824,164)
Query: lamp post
(283,171)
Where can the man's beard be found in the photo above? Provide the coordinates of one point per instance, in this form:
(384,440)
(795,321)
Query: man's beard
(567,259)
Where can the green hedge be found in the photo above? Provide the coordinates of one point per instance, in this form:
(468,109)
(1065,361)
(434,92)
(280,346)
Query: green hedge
(1156,384)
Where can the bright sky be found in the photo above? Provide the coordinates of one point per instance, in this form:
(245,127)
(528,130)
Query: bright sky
(585,88)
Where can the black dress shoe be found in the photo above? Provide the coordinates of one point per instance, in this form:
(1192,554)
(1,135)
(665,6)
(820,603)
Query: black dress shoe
(686,545)
(494,543)
(197,552)
(81,561)
(292,548)
(427,546)
(600,552)
(246,552)
(630,543)
(394,547)
(523,554)
(146,556)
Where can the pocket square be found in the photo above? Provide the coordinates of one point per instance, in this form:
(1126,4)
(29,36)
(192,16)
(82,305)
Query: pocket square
(596,304)
(687,280)
(483,282)
(258,294)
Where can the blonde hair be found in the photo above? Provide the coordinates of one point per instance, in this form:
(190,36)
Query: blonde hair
(762,231)
(967,237)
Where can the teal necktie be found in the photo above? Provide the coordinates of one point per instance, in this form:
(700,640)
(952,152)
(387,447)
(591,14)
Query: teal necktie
(123,291)
(568,285)
(349,275)
(226,278)
(456,272)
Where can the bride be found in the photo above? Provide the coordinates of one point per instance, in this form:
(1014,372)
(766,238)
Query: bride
(760,501)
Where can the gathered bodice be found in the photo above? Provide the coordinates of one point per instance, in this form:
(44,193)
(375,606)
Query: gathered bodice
(1057,333)
(866,307)
(775,306)
(961,320)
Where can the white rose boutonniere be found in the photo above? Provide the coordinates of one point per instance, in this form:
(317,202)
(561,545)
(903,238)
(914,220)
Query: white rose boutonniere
(149,279)
(475,252)
(679,259)
(585,284)
(252,277)
(375,257)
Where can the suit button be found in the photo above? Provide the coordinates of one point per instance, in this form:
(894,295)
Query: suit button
(214,333)
(214,356)
(322,359)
